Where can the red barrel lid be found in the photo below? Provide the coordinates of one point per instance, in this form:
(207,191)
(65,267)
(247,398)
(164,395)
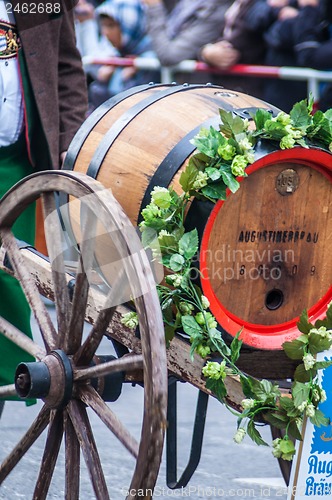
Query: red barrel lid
(265,252)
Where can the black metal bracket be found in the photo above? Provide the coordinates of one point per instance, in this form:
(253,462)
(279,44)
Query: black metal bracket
(171,438)
(21,245)
(247,113)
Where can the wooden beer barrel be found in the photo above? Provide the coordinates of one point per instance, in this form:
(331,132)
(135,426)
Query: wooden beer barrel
(264,253)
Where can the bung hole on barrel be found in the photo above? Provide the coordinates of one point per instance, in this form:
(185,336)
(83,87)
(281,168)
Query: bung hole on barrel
(274,299)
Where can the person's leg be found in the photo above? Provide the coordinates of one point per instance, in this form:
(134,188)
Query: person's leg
(13,305)
(15,309)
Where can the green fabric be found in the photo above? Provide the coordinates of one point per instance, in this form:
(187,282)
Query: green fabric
(14,165)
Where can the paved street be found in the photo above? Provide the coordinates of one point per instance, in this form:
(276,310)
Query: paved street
(226,470)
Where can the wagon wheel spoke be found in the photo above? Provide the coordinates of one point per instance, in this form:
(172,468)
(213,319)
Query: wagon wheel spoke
(73,338)
(91,398)
(81,424)
(92,342)
(89,347)
(54,239)
(30,289)
(51,452)
(20,339)
(126,363)
(72,485)
(7,390)
(35,430)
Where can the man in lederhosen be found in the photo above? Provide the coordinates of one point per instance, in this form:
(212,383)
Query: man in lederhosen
(43,102)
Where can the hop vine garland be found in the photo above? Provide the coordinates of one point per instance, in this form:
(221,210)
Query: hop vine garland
(222,157)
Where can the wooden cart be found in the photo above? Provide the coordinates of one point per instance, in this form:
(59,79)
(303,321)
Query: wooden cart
(132,143)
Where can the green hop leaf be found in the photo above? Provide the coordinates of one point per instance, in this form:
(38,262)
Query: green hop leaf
(208,141)
(260,117)
(213,173)
(188,244)
(294,349)
(176,262)
(227,174)
(300,114)
(319,419)
(318,343)
(300,392)
(190,326)
(235,347)
(294,428)
(254,434)
(231,125)
(277,420)
(303,375)
(188,177)
(217,387)
(215,191)
(303,324)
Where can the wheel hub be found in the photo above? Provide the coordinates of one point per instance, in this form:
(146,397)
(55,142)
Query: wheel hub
(50,379)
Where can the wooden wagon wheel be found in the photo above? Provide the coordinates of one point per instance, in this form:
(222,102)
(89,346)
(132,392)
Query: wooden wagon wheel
(62,375)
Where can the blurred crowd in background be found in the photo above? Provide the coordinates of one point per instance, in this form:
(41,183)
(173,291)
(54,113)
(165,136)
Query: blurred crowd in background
(221,33)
